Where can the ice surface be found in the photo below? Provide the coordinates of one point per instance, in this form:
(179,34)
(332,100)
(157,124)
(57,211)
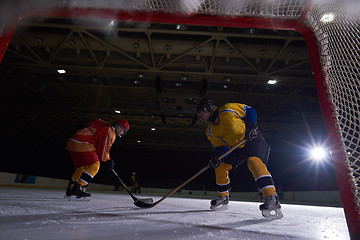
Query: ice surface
(45,214)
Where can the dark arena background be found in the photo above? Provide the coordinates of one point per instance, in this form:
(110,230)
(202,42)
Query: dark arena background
(66,63)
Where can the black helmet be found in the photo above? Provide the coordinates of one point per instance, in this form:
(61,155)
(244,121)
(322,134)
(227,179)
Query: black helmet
(205,105)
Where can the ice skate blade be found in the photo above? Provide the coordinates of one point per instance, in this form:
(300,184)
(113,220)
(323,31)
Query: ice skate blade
(272,213)
(74,198)
(219,207)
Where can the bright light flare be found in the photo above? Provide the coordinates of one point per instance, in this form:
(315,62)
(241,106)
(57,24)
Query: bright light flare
(112,23)
(327,17)
(318,154)
(271,82)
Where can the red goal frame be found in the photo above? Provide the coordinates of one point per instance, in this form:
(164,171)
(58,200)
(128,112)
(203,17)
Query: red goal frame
(299,25)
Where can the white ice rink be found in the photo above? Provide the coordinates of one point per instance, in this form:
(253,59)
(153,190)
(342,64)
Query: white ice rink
(36,214)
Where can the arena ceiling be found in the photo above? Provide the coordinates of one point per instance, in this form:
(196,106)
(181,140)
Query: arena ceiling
(154,74)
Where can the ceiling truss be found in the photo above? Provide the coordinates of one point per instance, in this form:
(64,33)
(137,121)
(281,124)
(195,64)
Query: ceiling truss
(154,74)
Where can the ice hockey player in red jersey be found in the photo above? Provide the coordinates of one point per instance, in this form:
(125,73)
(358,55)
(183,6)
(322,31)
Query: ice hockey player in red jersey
(227,126)
(88,147)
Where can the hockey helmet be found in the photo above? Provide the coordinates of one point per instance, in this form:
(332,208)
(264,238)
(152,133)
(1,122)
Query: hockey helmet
(123,122)
(205,105)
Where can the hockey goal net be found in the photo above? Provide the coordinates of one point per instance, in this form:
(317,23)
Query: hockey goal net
(332,34)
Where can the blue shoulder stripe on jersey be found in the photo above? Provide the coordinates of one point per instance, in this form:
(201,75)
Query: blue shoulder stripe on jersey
(251,115)
(209,130)
(229,110)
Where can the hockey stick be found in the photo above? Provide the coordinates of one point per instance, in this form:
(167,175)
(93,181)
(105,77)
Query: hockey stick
(142,204)
(136,200)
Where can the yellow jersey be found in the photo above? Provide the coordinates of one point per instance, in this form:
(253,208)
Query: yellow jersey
(231,128)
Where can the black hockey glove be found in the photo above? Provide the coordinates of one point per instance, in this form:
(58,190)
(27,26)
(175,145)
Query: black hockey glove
(251,131)
(109,165)
(214,162)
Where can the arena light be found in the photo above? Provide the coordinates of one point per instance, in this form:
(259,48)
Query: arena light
(117,111)
(327,17)
(318,154)
(140,75)
(272,82)
(61,71)
(112,23)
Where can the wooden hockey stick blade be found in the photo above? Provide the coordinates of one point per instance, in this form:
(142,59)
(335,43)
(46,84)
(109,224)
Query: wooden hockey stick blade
(146,205)
(145,200)
(143,204)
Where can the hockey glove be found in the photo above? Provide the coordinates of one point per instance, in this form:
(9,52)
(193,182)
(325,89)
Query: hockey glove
(109,165)
(214,162)
(251,131)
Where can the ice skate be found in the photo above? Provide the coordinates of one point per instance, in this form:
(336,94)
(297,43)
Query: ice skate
(219,203)
(69,188)
(78,193)
(271,207)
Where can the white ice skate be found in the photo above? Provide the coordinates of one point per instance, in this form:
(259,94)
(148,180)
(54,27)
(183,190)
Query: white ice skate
(219,203)
(271,207)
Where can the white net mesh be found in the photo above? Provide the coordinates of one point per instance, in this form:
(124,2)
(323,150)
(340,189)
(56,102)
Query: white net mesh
(340,47)
(260,8)
(253,8)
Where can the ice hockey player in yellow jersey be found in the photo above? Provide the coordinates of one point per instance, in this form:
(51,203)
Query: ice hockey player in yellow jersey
(227,126)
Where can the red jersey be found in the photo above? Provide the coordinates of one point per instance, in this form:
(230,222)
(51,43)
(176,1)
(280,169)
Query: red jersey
(99,137)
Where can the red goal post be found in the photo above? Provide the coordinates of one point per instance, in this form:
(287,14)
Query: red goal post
(332,34)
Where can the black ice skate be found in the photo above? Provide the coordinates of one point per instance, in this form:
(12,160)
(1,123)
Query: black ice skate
(219,203)
(271,207)
(69,188)
(78,194)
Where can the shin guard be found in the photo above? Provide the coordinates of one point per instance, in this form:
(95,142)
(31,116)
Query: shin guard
(262,176)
